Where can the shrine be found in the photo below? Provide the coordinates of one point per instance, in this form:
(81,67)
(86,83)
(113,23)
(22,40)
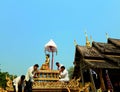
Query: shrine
(99,64)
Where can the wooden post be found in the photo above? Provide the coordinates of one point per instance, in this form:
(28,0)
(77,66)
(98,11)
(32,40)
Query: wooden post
(92,80)
(81,72)
(109,84)
(102,84)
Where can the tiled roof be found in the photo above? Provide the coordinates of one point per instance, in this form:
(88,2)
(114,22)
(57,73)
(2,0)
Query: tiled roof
(100,55)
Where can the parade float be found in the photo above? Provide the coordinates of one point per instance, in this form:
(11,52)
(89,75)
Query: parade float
(47,79)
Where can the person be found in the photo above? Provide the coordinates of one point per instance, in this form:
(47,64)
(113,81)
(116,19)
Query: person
(63,74)
(58,65)
(18,83)
(29,77)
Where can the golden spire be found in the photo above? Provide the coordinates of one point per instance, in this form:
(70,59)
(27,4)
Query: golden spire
(107,36)
(91,40)
(6,77)
(75,43)
(87,41)
(13,77)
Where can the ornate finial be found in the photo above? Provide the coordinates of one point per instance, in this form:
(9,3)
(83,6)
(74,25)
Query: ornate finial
(13,77)
(91,40)
(75,43)
(6,77)
(107,36)
(87,41)
(9,81)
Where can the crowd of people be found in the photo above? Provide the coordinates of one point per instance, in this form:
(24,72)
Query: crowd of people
(24,82)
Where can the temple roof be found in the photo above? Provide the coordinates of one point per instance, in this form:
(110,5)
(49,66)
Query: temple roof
(116,42)
(100,55)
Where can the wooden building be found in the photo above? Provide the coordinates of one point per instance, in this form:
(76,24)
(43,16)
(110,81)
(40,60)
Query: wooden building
(99,64)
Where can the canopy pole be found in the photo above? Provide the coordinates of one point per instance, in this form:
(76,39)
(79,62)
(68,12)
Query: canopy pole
(52,61)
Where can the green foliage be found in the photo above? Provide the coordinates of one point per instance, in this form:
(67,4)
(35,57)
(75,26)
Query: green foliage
(70,71)
(3,79)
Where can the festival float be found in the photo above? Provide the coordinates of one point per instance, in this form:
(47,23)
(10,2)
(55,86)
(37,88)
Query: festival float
(47,79)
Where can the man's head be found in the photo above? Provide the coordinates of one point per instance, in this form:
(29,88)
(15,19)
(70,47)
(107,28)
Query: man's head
(36,67)
(57,64)
(62,68)
(22,77)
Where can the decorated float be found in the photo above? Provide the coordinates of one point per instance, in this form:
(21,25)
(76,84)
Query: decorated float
(47,79)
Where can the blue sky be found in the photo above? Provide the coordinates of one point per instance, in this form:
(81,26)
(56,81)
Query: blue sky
(27,25)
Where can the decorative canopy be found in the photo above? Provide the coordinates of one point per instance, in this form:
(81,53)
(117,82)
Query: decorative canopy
(51,46)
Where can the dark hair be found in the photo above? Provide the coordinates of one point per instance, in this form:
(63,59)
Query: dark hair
(57,63)
(36,65)
(63,67)
(48,55)
(22,77)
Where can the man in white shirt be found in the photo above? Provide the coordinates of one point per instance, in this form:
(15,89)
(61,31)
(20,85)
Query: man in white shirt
(58,65)
(29,77)
(63,74)
(18,83)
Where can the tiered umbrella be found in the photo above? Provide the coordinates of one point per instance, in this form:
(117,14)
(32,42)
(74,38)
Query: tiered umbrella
(51,47)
